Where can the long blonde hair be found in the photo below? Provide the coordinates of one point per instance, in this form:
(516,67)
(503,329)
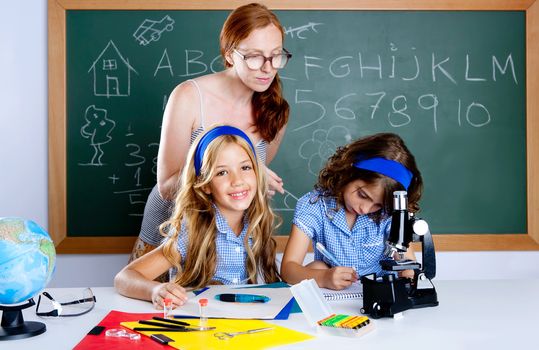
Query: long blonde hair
(194,209)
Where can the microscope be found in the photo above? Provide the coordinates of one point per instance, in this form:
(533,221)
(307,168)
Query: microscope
(389,295)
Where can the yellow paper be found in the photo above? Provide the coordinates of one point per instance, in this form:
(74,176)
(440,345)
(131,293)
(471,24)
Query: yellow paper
(206,339)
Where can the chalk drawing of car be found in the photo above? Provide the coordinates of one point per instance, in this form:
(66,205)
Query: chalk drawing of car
(151,30)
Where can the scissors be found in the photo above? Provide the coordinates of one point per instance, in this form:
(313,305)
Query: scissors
(225,335)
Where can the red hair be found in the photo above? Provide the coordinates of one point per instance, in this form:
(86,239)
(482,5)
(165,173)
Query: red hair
(270,109)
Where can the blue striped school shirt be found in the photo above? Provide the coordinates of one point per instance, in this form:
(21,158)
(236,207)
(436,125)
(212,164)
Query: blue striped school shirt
(231,255)
(361,247)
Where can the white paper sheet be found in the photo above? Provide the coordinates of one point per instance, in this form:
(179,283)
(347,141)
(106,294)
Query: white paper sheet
(279,297)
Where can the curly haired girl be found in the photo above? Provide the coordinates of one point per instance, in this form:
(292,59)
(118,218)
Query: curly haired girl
(349,211)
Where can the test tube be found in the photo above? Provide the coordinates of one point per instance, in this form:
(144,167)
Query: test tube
(167,307)
(203,303)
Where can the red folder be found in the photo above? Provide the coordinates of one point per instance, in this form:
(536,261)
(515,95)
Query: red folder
(112,320)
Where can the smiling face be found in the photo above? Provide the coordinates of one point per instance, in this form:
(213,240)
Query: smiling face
(234,183)
(361,198)
(265,41)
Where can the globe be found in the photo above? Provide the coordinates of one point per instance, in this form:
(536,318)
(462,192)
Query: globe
(27,260)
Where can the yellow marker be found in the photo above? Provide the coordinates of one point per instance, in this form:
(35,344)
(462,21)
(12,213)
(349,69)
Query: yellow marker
(357,321)
(350,322)
(363,324)
(343,321)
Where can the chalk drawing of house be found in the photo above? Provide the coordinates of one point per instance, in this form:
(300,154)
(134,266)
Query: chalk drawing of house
(112,73)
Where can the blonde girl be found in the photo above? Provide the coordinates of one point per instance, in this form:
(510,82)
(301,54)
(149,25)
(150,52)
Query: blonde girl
(221,228)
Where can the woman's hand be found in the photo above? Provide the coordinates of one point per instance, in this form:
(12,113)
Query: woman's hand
(275,183)
(168,291)
(339,277)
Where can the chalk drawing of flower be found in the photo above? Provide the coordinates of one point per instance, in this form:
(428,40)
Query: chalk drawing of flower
(322,145)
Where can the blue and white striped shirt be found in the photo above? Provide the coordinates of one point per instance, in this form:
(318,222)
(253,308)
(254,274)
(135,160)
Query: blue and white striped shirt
(322,221)
(231,255)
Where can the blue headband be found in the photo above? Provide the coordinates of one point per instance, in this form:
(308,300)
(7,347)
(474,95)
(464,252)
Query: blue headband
(211,135)
(389,168)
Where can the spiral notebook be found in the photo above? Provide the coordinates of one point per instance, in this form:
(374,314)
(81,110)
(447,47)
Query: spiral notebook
(355,291)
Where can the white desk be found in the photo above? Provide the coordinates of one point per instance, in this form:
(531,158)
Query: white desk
(490,315)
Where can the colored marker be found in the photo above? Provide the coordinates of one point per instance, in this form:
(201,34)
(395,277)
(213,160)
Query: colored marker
(242,298)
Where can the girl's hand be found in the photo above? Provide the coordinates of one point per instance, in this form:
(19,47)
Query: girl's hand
(171,291)
(407,274)
(339,277)
(275,183)
(410,256)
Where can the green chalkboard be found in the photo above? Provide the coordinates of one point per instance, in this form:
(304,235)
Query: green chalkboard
(451,83)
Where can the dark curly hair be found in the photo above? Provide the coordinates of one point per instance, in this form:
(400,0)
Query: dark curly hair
(339,170)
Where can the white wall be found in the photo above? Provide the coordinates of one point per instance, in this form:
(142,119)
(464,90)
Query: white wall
(23,110)
(23,159)
(99,270)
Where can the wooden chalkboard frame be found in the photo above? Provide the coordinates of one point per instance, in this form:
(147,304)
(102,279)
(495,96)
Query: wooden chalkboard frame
(444,242)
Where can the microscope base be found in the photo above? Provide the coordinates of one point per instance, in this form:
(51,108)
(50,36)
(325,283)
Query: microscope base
(424,298)
(392,295)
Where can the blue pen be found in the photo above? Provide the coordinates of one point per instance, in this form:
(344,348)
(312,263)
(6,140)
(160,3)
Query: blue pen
(327,254)
(242,298)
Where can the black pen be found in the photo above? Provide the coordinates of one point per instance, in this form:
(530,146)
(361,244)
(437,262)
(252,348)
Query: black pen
(165,329)
(155,329)
(161,339)
(180,323)
(152,323)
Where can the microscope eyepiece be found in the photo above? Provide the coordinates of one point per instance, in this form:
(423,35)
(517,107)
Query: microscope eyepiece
(400,200)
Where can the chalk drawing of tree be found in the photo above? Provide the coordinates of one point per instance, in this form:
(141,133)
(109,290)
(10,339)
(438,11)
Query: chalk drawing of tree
(97,129)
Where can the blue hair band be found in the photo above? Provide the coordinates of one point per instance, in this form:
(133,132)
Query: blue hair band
(211,135)
(387,167)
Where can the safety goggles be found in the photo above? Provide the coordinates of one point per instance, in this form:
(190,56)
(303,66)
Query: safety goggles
(65,306)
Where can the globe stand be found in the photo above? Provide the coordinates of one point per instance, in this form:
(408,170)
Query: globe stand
(13,325)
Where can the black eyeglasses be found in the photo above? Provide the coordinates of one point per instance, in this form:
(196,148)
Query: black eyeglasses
(66,306)
(255,62)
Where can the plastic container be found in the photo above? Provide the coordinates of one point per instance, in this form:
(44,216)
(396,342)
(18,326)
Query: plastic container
(316,308)
(202,304)
(167,307)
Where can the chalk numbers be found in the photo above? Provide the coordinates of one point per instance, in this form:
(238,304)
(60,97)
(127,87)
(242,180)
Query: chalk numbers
(397,111)
(134,186)
(302,97)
